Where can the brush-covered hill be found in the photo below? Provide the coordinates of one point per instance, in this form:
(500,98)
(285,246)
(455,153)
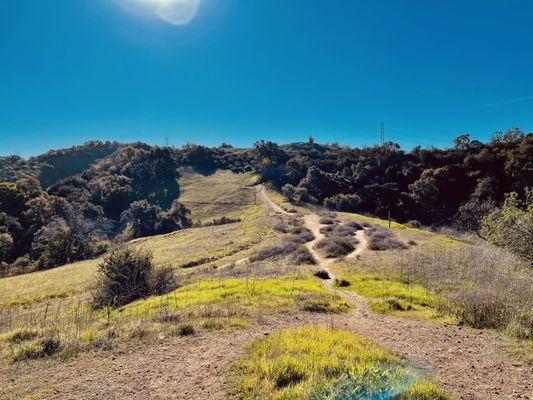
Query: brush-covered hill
(71,204)
(55,165)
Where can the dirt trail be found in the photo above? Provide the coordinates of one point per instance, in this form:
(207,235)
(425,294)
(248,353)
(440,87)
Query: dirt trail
(273,206)
(312,222)
(266,198)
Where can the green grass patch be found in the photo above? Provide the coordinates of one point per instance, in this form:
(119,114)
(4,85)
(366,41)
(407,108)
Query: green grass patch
(319,363)
(395,298)
(222,193)
(243,295)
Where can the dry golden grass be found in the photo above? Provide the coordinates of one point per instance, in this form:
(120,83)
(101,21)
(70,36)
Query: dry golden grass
(222,193)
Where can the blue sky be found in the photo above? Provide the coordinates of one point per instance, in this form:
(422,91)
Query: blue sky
(242,70)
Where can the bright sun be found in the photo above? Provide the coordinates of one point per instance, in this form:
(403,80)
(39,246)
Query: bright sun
(175,12)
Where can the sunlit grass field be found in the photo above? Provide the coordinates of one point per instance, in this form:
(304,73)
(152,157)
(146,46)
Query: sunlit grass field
(202,303)
(54,306)
(319,363)
(222,193)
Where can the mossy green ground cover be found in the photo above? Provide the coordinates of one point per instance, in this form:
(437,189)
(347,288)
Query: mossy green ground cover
(319,363)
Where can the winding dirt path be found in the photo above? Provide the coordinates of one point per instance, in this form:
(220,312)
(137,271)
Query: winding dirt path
(266,198)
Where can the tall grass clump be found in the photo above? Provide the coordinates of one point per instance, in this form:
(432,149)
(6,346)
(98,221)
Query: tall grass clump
(483,286)
(319,363)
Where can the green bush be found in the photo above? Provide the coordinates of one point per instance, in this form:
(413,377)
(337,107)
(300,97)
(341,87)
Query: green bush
(124,276)
(511,226)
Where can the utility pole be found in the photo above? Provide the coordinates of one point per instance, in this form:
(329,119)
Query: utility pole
(382,133)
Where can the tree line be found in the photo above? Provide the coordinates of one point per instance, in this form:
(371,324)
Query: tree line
(119,192)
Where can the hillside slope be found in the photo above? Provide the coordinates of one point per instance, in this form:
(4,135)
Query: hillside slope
(232,304)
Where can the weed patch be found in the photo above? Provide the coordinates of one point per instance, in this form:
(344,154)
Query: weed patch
(391,297)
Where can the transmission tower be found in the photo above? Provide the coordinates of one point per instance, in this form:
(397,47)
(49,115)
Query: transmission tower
(382,133)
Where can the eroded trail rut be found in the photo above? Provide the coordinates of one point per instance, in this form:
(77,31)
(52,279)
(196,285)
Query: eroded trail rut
(195,367)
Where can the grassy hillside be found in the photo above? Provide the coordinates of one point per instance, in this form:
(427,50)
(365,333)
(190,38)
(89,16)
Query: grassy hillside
(46,317)
(221,193)
(208,298)
(189,247)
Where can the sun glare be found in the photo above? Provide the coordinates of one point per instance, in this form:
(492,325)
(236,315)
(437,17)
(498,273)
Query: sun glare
(175,12)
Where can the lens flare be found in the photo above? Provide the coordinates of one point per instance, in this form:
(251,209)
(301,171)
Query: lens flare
(175,12)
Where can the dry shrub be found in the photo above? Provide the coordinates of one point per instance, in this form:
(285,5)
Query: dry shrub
(355,224)
(336,246)
(291,243)
(346,229)
(381,238)
(300,234)
(274,251)
(281,227)
(126,275)
(349,228)
(327,229)
(301,255)
(163,280)
(485,287)
(327,220)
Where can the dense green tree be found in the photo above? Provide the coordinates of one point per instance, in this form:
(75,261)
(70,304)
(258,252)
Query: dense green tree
(511,226)
(343,202)
(6,247)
